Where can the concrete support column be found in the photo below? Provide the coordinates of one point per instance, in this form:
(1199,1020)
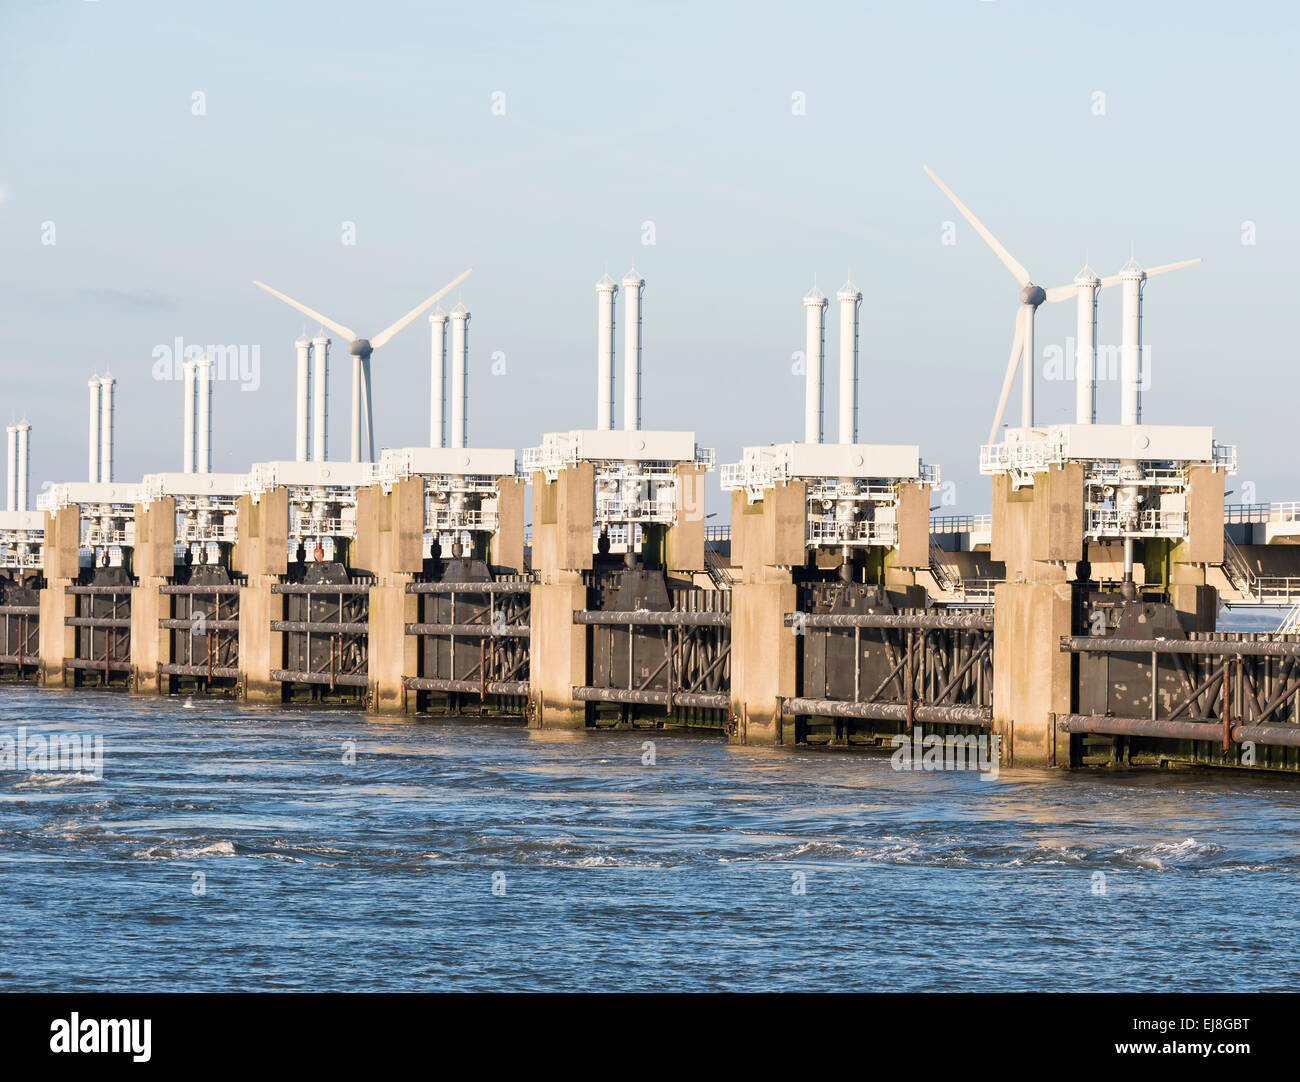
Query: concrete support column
(57,641)
(763,660)
(506,549)
(260,648)
(390,544)
(1038,533)
(770,534)
(150,644)
(261,554)
(558,654)
(563,512)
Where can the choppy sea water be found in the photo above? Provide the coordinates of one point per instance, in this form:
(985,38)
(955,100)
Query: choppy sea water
(319,874)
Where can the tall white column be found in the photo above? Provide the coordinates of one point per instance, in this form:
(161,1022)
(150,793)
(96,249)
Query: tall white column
(93,431)
(1132,278)
(11,464)
(459,376)
(106,408)
(850,304)
(438,378)
(24,472)
(633,290)
(1085,348)
(814,351)
(302,412)
(320,407)
(1027,369)
(355,428)
(187,367)
(606,291)
(203,376)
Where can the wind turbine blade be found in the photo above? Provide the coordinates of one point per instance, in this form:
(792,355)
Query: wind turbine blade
(1115,279)
(1017,345)
(1170,266)
(1061,293)
(388,332)
(337,328)
(1021,275)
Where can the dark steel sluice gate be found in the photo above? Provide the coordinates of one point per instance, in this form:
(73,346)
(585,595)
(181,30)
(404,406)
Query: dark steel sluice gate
(102,619)
(326,628)
(20,626)
(867,671)
(1146,692)
(658,652)
(473,645)
(203,629)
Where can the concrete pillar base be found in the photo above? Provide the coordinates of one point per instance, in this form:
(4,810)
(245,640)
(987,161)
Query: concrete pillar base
(763,654)
(1031,673)
(392,653)
(150,644)
(260,649)
(57,641)
(558,658)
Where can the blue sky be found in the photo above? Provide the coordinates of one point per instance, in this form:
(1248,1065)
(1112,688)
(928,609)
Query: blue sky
(380,114)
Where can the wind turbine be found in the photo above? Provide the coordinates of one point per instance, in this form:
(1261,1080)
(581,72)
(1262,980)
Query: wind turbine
(361,349)
(1031,296)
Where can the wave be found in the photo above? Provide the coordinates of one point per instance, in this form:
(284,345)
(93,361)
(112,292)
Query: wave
(55,781)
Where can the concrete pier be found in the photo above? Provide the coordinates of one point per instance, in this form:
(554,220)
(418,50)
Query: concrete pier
(261,554)
(767,539)
(563,512)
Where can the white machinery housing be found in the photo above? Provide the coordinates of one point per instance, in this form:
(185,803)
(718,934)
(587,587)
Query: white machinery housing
(1135,476)
(636,480)
(853,489)
(461,494)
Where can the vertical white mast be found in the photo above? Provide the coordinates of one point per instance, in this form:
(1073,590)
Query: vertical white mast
(459,376)
(106,407)
(302,401)
(11,463)
(606,291)
(633,290)
(320,407)
(1085,348)
(850,302)
(438,378)
(203,373)
(1131,278)
(93,431)
(191,391)
(24,471)
(814,351)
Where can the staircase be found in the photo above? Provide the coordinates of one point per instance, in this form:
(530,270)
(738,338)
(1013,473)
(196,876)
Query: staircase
(718,572)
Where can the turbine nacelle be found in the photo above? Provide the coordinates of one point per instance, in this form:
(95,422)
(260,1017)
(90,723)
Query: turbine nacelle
(1033,295)
(360,347)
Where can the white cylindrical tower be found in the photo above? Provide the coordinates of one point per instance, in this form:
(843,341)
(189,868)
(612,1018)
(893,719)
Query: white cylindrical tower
(355,427)
(438,378)
(93,431)
(1085,348)
(187,367)
(24,471)
(606,291)
(11,466)
(320,346)
(1131,278)
(203,411)
(850,303)
(459,376)
(106,408)
(302,413)
(814,347)
(633,290)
